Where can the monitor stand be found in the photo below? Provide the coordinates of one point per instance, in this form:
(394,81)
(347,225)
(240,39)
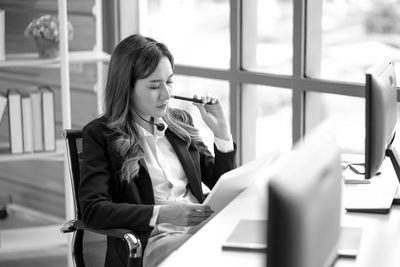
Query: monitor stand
(354,173)
(379,195)
(394,158)
(376,197)
(396,199)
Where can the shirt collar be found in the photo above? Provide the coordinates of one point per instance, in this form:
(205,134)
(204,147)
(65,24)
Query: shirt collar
(143,132)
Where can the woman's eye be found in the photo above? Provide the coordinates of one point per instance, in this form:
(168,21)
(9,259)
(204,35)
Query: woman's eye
(155,86)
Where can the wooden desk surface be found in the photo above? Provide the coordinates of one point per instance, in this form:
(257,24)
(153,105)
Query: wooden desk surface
(380,244)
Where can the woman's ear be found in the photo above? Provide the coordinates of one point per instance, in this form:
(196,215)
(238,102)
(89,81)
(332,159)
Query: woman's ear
(131,91)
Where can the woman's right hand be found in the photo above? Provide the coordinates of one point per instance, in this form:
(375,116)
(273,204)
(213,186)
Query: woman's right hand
(184,214)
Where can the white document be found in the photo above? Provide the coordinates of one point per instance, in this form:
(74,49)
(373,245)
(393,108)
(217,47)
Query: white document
(232,183)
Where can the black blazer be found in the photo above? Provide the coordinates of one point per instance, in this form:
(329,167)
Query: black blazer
(108,202)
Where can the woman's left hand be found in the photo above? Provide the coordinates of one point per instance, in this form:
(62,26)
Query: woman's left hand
(213,115)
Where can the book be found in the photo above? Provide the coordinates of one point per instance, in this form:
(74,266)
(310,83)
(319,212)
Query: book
(48,118)
(4,143)
(27,120)
(15,121)
(2,35)
(37,124)
(3,105)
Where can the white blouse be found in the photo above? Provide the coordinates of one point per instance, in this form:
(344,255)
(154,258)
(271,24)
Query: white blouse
(166,172)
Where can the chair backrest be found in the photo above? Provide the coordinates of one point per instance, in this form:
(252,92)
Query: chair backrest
(88,248)
(73,139)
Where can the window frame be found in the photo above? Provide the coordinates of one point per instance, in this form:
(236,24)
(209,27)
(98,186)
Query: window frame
(306,37)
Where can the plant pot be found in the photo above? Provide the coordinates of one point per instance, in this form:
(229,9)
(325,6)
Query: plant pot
(47,48)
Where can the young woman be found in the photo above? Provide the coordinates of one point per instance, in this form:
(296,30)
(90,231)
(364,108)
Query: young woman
(144,162)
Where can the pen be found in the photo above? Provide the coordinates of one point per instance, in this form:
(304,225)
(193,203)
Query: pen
(187,99)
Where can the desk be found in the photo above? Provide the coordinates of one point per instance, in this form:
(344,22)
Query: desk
(380,244)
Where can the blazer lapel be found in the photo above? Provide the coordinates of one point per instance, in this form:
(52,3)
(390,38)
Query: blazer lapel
(188,165)
(144,184)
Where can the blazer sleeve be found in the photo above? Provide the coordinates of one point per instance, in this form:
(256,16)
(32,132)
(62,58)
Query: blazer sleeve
(98,187)
(213,167)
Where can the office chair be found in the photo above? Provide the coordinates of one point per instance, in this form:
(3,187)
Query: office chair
(73,139)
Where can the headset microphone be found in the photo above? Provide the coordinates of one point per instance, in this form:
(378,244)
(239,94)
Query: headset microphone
(160,126)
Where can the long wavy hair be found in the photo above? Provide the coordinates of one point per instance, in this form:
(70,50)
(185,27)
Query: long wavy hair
(134,58)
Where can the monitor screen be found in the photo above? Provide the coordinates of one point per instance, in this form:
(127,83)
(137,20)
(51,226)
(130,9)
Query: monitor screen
(381,116)
(304,201)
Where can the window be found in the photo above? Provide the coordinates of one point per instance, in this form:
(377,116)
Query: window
(348,116)
(356,34)
(281,66)
(269,111)
(196,32)
(267,36)
(351,36)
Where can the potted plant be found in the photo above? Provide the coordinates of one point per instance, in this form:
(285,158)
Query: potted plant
(45,31)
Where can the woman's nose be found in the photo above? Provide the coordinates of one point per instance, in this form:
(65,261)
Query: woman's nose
(165,94)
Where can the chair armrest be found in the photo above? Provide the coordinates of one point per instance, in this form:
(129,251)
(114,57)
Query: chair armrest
(133,242)
(72,133)
(69,227)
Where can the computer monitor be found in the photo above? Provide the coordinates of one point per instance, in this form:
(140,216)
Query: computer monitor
(381,117)
(304,199)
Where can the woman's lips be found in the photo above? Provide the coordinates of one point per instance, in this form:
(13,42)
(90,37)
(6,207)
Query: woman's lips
(162,106)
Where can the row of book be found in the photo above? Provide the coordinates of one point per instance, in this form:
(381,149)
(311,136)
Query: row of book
(31,119)
(2,34)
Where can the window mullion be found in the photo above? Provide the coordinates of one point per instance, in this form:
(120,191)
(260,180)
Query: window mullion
(298,96)
(235,66)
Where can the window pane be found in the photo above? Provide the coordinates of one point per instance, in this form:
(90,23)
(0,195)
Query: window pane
(267,36)
(356,34)
(267,120)
(348,116)
(196,32)
(189,86)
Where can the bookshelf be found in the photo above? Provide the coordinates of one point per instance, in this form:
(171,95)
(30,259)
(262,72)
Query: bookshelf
(31,60)
(53,155)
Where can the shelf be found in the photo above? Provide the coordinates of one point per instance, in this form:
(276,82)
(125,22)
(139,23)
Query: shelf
(24,217)
(57,155)
(31,235)
(35,230)
(32,60)
(31,239)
